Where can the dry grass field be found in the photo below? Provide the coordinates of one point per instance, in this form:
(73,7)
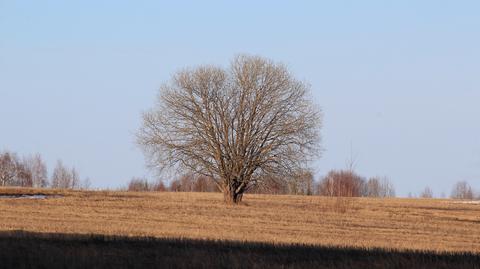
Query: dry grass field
(398,224)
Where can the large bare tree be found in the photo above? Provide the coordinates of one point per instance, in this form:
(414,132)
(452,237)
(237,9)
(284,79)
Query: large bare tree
(237,125)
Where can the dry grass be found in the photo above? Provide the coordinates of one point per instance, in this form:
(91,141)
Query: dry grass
(414,224)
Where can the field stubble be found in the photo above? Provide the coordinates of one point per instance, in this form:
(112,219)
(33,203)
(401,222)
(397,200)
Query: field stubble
(401,224)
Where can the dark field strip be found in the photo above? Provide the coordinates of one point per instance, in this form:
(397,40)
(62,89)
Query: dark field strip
(20,249)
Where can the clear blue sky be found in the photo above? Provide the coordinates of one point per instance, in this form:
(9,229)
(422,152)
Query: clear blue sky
(397,80)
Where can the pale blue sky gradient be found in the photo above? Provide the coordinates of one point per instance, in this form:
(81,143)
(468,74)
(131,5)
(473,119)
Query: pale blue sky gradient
(397,80)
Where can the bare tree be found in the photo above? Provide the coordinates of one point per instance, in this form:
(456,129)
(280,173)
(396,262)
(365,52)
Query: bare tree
(190,182)
(204,184)
(379,187)
(63,178)
(175,186)
(426,193)
(38,170)
(139,184)
(86,184)
(302,183)
(236,126)
(8,168)
(271,185)
(24,176)
(159,186)
(75,179)
(13,172)
(373,187)
(462,190)
(187,182)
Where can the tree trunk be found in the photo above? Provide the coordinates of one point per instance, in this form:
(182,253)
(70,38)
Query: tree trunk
(231,196)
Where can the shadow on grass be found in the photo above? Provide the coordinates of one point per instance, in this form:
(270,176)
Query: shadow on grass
(20,249)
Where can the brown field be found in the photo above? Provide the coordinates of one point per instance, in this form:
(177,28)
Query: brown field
(402,224)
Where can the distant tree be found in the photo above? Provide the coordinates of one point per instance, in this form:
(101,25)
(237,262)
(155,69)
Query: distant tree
(462,190)
(24,176)
(187,182)
(237,126)
(308,183)
(201,184)
(343,183)
(63,178)
(75,179)
(86,184)
(175,186)
(38,170)
(373,187)
(13,172)
(193,183)
(426,193)
(271,185)
(159,186)
(379,187)
(302,183)
(8,168)
(204,184)
(32,172)
(138,184)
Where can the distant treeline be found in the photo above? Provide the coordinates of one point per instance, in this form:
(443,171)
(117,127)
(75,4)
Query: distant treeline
(31,171)
(337,183)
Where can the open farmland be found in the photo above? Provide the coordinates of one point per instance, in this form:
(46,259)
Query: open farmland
(401,224)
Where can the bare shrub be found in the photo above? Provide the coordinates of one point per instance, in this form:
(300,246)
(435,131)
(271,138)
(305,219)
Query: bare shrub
(345,183)
(462,190)
(236,126)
